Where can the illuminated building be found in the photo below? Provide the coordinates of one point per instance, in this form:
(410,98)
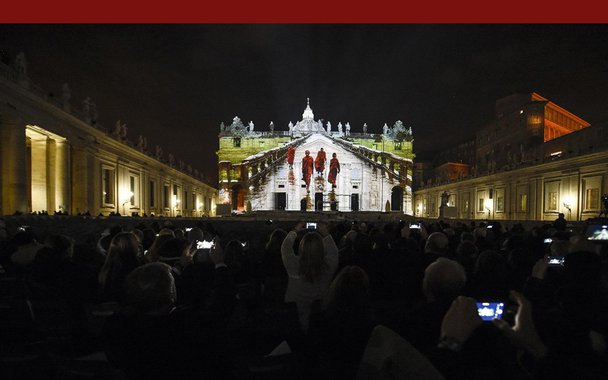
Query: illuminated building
(55,157)
(532,162)
(376,169)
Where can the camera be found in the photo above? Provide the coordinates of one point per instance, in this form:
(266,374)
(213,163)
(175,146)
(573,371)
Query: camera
(490,310)
(311,226)
(203,244)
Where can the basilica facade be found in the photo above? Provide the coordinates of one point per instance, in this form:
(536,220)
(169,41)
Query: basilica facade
(56,157)
(255,171)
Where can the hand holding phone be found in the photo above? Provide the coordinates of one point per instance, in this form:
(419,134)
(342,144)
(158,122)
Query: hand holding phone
(311,226)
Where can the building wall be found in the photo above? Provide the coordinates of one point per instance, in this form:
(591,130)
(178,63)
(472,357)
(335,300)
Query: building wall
(571,186)
(54,159)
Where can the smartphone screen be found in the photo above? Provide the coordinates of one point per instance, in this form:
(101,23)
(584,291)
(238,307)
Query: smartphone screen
(311,225)
(548,241)
(188,229)
(203,244)
(415,226)
(555,261)
(490,310)
(599,232)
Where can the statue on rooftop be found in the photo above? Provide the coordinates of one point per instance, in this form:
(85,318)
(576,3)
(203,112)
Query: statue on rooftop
(251,126)
(365,128)
(340,128)
(347,128)
(21,64)
(159,153)
(66,94)
(271,127)
(94,114)
(290,125)
(329,127)
(86,106)
(385,130)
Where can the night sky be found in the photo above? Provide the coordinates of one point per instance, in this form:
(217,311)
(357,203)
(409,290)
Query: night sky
(176,83)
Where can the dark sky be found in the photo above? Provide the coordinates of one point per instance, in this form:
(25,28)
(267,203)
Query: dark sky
(176,83)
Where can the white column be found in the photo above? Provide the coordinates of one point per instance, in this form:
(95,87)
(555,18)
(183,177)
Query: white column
(39,173)
(62,175)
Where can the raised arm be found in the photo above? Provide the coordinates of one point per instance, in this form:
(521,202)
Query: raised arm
(290,260)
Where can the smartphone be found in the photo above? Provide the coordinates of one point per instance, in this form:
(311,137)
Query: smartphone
(311,226)
(555,261)
(23,228)
(203,244)
(490,310)
(548,241)
(598,232)
(188,229)
(244,244)
(489,226)
(414,226)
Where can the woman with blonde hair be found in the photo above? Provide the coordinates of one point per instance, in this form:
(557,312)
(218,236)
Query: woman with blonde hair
(121,259)
(311,271)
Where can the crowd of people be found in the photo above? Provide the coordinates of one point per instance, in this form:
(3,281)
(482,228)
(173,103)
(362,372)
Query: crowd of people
(339,300)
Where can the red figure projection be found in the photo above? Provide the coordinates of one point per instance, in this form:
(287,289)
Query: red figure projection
(307,164)
(320,162)
(334,169)
(291,154)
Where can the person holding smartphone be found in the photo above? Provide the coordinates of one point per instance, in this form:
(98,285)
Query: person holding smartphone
(311,271)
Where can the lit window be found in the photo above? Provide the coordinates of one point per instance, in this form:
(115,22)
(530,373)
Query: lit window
(107,186)
(552,201)
(523,202)
(481,204)
(236,142)
(166,196)
(592,199)
(152,194)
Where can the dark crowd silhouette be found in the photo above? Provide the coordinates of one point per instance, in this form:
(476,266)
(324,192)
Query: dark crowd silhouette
(339,300)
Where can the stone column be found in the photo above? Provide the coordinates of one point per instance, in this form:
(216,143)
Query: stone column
(39,172)
(13,161)
(51,168)
(62,176)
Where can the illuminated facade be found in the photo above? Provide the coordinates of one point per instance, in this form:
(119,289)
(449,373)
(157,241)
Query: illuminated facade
(57,158)
(534,161)
(376,169)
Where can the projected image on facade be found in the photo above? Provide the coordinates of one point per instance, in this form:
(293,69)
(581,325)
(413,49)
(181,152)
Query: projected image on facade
(344,169)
